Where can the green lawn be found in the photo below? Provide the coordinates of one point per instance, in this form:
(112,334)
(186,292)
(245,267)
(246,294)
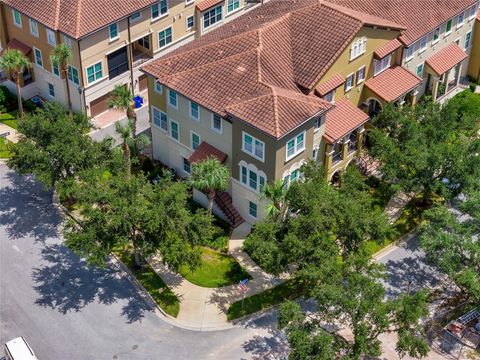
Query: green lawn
(155,286)
(288,290)
(216,270)
(9,119)
(4,153)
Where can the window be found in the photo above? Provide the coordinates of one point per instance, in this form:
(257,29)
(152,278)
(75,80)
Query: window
(94,72)
(232,5)
(423,45)
(195,141)
(159,119)
(472,12)
(261,183)
(67,41)
(73,75)
(409,52)
(51,90)
(420,70)
(295,146)
(55,69)
(460,20)
(186,166)
(457,41)
(292,176)
(360,75)
(317,122)
(253,147)
(436,35)
(217,123)
(17,18)
(382,65)
(315,153)
(135,16)
(349,82)
(117,62)
(468,40)
(33,27)
(165,37)
(158,87)
(252,180)
(330,97)
(243,178)
(51,37)
(251,177)
(194,111)
(212,16)
(252,209)
(172,98)
(190,22)
(144,42)
(358,48)
(159,9)
(38,57)
(448,28)
(174,130)
(113,31)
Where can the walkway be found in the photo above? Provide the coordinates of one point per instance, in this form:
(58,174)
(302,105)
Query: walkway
(396,204)
(13,134)
(206,308)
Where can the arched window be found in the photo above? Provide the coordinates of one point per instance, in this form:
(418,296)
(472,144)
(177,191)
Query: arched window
(251,177)
(358,48)
(293,174)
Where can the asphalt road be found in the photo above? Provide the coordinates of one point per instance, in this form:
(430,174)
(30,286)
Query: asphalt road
(67,310)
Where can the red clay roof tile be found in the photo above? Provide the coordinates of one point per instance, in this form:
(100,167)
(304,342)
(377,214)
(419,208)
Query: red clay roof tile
(445,59)
(393,83)
(334,82)
(204,151)
(387,49)
(206,4)
(16,44)
(343,119)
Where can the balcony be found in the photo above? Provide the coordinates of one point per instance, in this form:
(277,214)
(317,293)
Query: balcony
(140,57)
(337,157)
(352,147)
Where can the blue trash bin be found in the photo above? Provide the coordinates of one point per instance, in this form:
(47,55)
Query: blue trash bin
(138,100)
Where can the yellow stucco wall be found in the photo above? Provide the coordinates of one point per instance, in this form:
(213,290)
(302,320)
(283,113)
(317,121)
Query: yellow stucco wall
(474,64)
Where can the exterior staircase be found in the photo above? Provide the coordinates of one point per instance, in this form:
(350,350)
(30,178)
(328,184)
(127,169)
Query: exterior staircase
(368,165)
(224,202)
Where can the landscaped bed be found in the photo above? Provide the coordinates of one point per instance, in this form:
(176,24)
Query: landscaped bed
(4,153)
(215,270)
(155,286)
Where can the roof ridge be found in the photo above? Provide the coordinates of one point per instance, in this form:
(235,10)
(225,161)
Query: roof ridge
(57,14)
(275,111)
(77,18)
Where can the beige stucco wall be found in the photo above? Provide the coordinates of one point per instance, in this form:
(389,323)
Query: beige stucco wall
(474,65)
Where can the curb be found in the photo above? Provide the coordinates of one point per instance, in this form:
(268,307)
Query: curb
(392,246)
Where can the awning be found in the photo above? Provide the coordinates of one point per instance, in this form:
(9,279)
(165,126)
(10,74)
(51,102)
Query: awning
(204,5)
(204,151)
(342,120)
(446,59)
(15,44)
(386,49)
(392,83)
(334,82)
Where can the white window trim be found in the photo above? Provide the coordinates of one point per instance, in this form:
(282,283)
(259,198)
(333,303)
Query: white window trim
(14,22)
(189,2)
(191,139)
(168,100)
(423,69)
(451,28)
(96,80)
(170,121)
(50,31)
(160,15)
(469,41)
(295,167)
(433,36)
(183,166)
(362,41)
(190,111)
(30,22)
(252,154)
(155,87)
(256,204)
(158,39)
(473,12)
(59,70)
(110,39)
(78,72)
(218,131)
(191,16)
(234,10)
(253,168)
(35,57)
(364,75)
(408,58)
(458,40)
(216,23)
(67,41)
(161,112)
(420,49)
(353,82)
(135,20)
(50,95)
(460,24)
(296,152)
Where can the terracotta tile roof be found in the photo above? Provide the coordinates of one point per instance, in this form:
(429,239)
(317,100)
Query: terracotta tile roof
(418,17)
(331,84)
(393,83)
(77,18)
(16,44)
(204,151)
(264,59)
(386,49)
(204,5)
(342,119)
(445,59)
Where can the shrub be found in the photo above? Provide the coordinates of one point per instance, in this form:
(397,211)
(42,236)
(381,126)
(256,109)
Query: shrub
(8,101)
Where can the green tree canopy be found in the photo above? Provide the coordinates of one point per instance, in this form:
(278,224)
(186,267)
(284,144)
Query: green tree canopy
(14,63)
(62,55)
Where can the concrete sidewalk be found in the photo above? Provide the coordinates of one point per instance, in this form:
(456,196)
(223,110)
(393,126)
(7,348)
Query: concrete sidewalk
(13,134)
(206,308)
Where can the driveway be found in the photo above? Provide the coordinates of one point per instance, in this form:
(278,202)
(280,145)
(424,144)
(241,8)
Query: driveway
(67,310)
(407,268)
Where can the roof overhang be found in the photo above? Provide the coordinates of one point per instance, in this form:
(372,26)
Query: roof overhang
(393,83)
(445,59)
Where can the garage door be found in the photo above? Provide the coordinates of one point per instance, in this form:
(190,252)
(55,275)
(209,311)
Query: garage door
(99,105)
(143,82)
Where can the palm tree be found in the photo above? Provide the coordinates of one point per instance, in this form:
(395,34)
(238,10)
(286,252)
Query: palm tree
(61,55)
(121,99)
(14,63)
(276,194)
(209,176)
(126,135)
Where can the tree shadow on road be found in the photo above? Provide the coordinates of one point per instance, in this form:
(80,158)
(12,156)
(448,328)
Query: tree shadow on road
(26,209)
(65,283)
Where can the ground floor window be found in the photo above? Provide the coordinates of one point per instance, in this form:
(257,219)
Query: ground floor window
(51,90)
(186,166)
(252,209)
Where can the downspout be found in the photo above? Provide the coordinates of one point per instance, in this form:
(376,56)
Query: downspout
(130,56)
(82,90)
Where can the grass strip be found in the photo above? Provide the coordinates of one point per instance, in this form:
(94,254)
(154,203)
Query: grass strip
(4,153)
(9,119)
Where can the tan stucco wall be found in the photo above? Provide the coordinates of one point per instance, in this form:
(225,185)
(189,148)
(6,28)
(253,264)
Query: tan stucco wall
(474,65)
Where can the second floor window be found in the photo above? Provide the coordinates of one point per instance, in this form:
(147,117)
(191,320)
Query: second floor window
(172,98)
(409,52)
(359,47)
(232,5)
(382,65)
(423,44)
(448,28)
(113,31)
(195,141)
(295,146)
(349,82)
(38,57)
(436,35)
(55,69)
(212,16)
(420,70)
(73,75)
(17,18)
(94,72)
(159,119)
(194,111)
(253,147)
(174,133)
(51,37)
(33,27)
(360,75)
(460,20)
(165,37)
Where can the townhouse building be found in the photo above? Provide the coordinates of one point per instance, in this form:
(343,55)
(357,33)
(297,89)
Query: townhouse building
(110,40)
(265,93)
(474,64)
